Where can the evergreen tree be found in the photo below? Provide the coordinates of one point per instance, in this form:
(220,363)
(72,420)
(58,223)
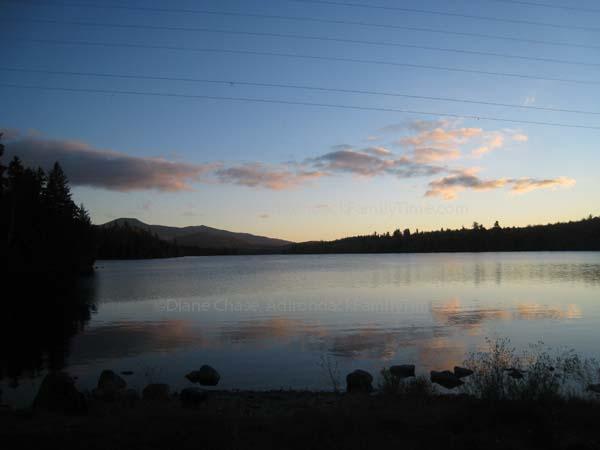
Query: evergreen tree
(42,231)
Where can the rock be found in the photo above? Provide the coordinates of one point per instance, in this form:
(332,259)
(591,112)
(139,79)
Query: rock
(206,376)
(58,393)
(461,372)
(359,381)
(403,370)
(110,381)
(446,379)
(110,388)
(594,388)
(192,397)
(156,392)
(515,373)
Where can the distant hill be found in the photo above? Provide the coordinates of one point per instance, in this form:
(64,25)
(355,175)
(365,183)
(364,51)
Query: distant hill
(204,237)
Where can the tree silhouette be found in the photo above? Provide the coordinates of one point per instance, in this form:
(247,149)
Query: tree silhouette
(42,230)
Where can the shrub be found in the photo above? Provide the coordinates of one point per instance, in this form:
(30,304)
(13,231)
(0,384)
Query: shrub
(546,376)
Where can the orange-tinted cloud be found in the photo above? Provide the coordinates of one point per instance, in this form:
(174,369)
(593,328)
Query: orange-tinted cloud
(448,187)
(266,176)
(522,185)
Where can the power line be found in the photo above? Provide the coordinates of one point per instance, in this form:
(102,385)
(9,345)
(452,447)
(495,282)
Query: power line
(307,37)
(449,14)
(547,5)
(297,103)
(303,56)
(234,83)
(322,21)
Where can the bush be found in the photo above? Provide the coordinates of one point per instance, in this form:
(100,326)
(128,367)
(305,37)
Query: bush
(546,376)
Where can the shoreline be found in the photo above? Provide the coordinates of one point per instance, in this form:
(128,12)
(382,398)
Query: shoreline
(352,253)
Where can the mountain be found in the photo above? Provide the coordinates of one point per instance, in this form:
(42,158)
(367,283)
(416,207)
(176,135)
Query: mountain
(202,236)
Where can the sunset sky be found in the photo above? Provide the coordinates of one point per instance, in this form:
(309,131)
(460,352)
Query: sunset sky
(127,112)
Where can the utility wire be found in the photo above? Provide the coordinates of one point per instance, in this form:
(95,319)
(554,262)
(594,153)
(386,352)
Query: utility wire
(301,56)
(234,83)
(449,14)
(322,21)
(298,103)
(548,5)
(306,37)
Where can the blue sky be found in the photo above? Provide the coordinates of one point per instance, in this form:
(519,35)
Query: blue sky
(307,172)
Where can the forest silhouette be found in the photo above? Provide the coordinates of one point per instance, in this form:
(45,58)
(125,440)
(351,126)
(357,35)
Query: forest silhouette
(567,236)
(43,231)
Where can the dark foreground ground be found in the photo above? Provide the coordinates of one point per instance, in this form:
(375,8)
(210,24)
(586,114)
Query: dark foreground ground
(297,420)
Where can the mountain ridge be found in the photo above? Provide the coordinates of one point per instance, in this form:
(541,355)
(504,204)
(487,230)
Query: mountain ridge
(203,236)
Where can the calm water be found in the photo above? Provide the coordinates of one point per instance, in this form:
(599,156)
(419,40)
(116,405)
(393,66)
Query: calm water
(266,322)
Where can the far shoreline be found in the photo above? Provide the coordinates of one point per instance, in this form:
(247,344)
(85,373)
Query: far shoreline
(350,253)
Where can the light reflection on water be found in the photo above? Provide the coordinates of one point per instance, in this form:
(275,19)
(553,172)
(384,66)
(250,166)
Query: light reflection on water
(266,321)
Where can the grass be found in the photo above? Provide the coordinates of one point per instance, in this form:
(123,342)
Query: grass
(547,375)
(415,387)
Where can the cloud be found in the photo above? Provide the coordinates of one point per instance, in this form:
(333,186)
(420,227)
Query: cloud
(419,125)
(107,169)
(448,187)
(492,142)
(378,151)
(267,176)
(443,140)
(440,137)
(367,164)
(263,216)
(522,185)
(430,144)
(430,154)
(356,162)
(8,134)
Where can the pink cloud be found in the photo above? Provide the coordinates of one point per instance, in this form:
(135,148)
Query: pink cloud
(266,176)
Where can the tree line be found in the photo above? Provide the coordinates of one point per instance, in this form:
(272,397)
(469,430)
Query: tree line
(575,235)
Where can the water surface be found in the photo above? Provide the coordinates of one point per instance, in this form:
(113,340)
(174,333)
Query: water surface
(269,322)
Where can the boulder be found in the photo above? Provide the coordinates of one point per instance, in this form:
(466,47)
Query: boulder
(110,381)
(156,392)
(446,379)
(359,381)
(462,372)
(58,393)
(403,370)
(206,376)
(110,387)
(192,397)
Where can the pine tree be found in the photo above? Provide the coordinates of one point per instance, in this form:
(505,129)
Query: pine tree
(57,194)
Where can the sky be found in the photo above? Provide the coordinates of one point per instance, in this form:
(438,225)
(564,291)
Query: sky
(309,120)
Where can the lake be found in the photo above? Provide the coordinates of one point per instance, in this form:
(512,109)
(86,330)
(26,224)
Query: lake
(278,321)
